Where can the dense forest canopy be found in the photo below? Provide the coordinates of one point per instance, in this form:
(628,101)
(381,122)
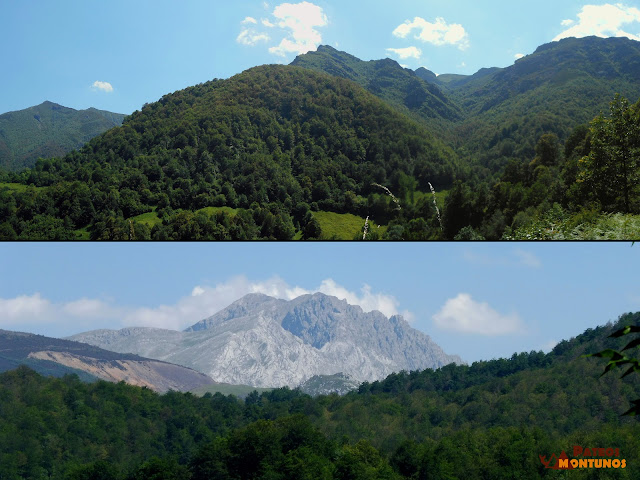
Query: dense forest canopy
(491,419)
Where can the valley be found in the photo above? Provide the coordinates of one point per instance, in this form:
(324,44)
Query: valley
(291,152)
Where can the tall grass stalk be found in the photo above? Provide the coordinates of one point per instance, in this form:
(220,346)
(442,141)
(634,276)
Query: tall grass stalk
(435,204)
(366,228)
(397,202)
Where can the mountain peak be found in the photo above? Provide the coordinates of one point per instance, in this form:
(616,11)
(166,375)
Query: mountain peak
(266,342)
(386,79)
(48,130)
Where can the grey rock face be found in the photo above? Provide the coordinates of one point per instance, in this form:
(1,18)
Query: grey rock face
(328,384)
(267,342)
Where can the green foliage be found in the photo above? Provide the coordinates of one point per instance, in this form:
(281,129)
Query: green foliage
(263,143)
(611,171)
(250,157)
(491,419)
(617,359)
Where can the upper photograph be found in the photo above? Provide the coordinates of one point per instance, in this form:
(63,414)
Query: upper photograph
(320,120)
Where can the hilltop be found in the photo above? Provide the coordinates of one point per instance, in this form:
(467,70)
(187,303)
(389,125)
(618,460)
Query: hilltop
(49,130)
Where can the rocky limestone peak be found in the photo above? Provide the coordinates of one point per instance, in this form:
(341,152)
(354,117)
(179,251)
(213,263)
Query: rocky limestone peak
(267,342)
(238,309)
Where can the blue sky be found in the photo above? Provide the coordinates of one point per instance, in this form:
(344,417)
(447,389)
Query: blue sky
(118,55)
(478,300)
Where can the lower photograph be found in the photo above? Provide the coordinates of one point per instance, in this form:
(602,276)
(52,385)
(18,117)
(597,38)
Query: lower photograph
(286,361)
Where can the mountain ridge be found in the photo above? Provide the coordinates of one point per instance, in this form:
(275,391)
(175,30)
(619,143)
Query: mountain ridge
(272,342)
(58,356)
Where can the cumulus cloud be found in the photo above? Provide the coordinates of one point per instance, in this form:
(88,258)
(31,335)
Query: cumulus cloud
(409,52)
(301,20)
(88,308)
(603,21)
(437,33)
(518,56)
(250,37)
(104,86)
(33,311)
(15,310)
(465,315)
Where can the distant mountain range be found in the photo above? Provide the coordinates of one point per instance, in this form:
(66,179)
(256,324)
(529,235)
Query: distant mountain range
(52,356)
(267,342)
(499,111)
(49,130)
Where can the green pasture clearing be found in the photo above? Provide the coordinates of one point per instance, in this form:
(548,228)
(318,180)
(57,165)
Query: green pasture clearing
(343,226)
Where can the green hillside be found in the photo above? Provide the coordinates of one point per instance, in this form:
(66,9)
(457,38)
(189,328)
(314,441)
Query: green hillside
(274,142)
(304,151)
(558,87)
(492,419)
(49,130)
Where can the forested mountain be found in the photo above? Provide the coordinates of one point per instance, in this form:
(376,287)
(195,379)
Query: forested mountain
(560,86)
(52,356)
(500,113)
(272,142)
(492,419)
(267,342)
(387,80)
(300,151)
(49,130)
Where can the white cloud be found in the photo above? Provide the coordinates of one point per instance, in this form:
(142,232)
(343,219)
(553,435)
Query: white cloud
(518,56)
(88,308)
(465,315)
(404,53)
(104,86)
(16,310)
(33,312)
(301,20)
(438,33)
(603,21)
(197,290)
(250,37)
